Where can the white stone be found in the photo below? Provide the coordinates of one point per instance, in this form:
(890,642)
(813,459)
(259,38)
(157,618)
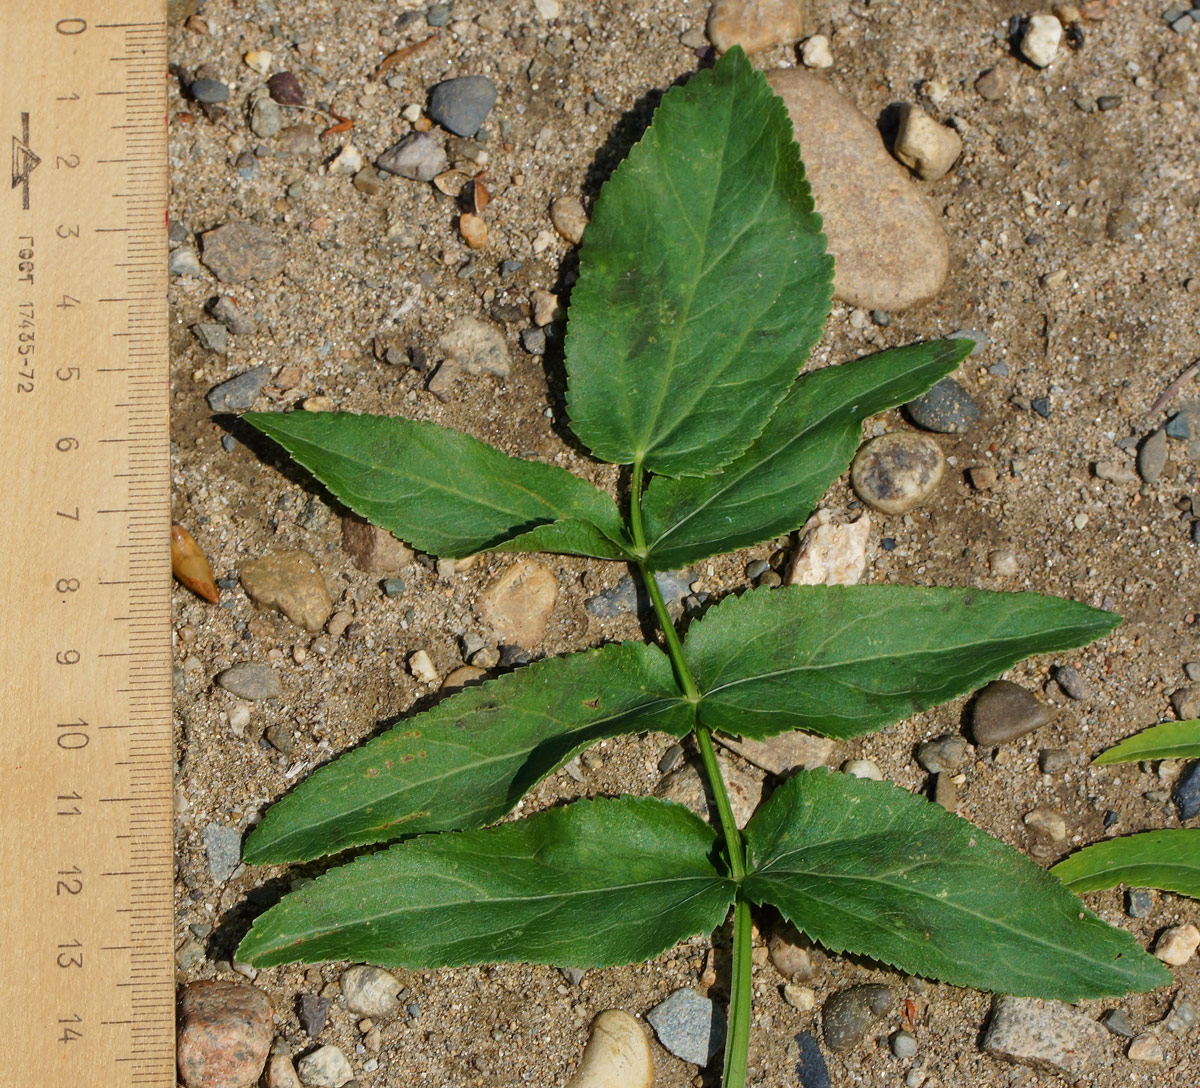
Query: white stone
(830,554)
(800,997)
(239,717)
(370,991)
(863,768)
(348,161)
(327,1067)
(1178,944)
(259,60)
(617,1054)
(814,53)
(1146,1048)
(422,668)
(1039,45)
(924,146)
(548,9)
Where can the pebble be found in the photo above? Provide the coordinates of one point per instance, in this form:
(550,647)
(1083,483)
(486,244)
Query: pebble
(802,998)
(686,786)
(1046,1035)
(690,1026)
(1183,1016)
(1146,1048)
(944,753)
(420,665)
(1004,711)
(370,991)
(210,91)
(888,243)
(462,676)
(815,52)
(548,10)
(281,1073)
(236,252)
(628,596)
(830,554)
(1115,472)
(239,394)
(326,1067)
(863,768)
(904,1044)
(1073,685)
(184,261)
(1039,43)
(223,845)
(438,14)
(373,549)
(924,146)
(1139,903)
(1047,823)
(248,680)
(1108,102)
(347,161)
(1177,945)
(313,1012)
(418,157)
(1186,793)
(1152,456)
(1185,424)
(534,341)
(545,307)
(811,1069)
(617,1054)
(992,84)
(1186,703)
(289,582)
(788,952)
(945,791)
(1117,1021)
(266,118)
(232,316)
(462,105)
(224,1034)
(755,25)
(212,337)
(368,181)
(1042,406)
(1054,760)
(896,472)
(279,736)
(473,229)
(569,218)
(285,88)
(1003,563)
(477,346)
(946,408)
(297,141)
(847,1014)
(517,605)
(784,753)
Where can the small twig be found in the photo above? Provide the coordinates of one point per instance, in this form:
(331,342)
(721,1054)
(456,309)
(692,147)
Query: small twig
(403,54)
(1171,390)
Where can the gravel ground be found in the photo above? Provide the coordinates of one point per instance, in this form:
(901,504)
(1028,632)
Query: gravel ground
(1047,184)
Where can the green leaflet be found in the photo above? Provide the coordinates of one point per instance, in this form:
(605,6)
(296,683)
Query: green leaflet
(703,281)
(441,490)
(867,867)
(1168,859)
(468,760)
(809,442)
(844,660)
(592,884)
(1167,740)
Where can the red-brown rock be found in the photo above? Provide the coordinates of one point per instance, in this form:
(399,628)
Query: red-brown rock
(225,1033)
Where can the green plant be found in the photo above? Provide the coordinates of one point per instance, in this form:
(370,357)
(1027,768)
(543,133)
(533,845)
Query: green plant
(1167,859)
(704,284)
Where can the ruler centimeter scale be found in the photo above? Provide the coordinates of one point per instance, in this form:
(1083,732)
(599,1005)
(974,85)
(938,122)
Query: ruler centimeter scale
(86,856)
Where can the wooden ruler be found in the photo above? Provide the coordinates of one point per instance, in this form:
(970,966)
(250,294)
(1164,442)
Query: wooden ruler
(86,973)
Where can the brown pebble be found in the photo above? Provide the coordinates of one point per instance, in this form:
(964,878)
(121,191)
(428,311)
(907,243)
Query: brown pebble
(473,229)
(373,549)
(224,1035)
(517,605)
(289,582)
(190,567)
(569,218)
(368,181)
(462,676)
(1004,711)
(285,89)
(992,84)
(982,477)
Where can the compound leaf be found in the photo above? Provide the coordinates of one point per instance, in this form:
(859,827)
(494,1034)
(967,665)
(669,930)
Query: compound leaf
(439,489)
(1167,740)
(1168,859)
(468,760)
(867,867)
(703,281)
(844,660)
(774,486)
(590,885)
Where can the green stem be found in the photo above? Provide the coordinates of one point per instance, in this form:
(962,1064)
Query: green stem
(737,1041)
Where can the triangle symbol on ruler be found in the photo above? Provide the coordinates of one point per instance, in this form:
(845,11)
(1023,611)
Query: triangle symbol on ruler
(23,162)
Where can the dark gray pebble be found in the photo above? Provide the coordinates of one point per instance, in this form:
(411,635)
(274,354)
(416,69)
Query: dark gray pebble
(438,14)
(212,337)
(756,567)
(811,1068)
(1187,791)
(1108,102)
(251,681)
(462,104)
(881,318)
(1139,902)
(846,1015)
(510,268)
(312,1012)
(534,341)
(1067,677)
(238,394)
(947,409)
(1004,711)
(1111,818)
(232,316)
(1117,1021)
(178,232)
(689,1025)
(208,90)
(944,753)
(418,157)
(392,587)
(1185,424)
(1041,405)
(223,845)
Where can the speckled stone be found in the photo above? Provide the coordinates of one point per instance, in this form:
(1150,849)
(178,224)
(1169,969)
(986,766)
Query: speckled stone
(690,1026)
(1045,1035)
(847,1014)
(946,408)
(370,991)
(896,472)
(945,753)
(1004,711)
(236,252)
(238,394)
(224,1034)
(418,157)
(250,680)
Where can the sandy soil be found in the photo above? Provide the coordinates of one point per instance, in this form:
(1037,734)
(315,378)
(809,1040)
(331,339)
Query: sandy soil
(1110,196)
